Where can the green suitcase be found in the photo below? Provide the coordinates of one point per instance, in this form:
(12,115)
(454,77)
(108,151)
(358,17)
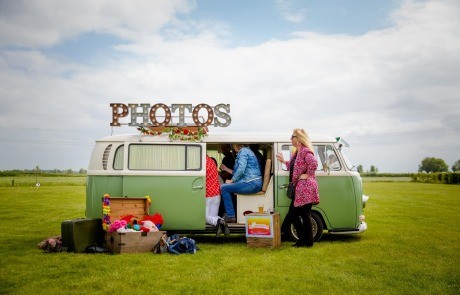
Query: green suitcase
(78,234)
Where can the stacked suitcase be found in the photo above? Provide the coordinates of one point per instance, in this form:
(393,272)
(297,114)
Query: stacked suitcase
(78,234)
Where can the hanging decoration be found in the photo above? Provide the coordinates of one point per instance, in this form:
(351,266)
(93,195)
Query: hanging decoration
(191,133)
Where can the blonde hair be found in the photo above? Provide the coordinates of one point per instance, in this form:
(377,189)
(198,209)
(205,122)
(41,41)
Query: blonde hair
(302,136)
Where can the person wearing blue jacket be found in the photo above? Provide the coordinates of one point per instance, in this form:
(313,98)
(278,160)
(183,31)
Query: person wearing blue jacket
(246,179)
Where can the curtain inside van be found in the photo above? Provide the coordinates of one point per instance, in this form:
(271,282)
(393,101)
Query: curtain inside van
(164,157)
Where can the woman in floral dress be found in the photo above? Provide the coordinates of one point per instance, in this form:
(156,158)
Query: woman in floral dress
(302,167)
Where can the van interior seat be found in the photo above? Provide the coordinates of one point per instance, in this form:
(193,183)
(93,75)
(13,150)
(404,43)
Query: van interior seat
(251,202)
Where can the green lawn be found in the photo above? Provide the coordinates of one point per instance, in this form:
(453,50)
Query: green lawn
(410,247)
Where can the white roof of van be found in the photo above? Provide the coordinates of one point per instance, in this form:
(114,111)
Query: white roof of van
(219,137)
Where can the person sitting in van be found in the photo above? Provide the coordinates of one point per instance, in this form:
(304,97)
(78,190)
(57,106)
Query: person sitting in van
(260,158)
(228,163)
(246,179)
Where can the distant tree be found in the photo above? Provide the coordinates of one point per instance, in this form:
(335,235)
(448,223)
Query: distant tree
(374,169)
(82,171)
(456,166)
(433,165)
(360,169)
(69,171)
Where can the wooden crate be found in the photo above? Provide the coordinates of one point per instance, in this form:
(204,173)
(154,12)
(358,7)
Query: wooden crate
(128,206)
(263,230)
(130,242)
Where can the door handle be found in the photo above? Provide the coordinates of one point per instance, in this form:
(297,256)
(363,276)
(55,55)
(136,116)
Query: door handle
(198,187)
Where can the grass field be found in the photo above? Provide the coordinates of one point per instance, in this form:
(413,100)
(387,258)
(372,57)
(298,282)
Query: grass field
(410,247)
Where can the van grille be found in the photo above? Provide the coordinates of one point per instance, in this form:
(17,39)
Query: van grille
(105,157)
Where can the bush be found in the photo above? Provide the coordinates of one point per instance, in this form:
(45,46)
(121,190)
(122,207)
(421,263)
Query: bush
(439,177)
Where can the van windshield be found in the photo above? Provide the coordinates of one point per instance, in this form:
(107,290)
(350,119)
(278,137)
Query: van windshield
(348,163)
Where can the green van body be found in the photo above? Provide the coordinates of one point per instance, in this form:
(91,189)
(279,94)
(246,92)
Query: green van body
(172,173)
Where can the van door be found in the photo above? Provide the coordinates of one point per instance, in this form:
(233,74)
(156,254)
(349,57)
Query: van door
(173,175)
(281,179)
(337,205)
(336,189)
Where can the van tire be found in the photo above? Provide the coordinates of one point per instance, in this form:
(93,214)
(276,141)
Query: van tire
(317,225)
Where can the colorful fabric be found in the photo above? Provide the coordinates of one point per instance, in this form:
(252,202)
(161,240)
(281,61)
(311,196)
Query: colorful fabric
(306,190)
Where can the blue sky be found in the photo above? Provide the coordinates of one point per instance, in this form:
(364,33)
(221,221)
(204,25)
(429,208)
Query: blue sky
(383,74)
(248,23)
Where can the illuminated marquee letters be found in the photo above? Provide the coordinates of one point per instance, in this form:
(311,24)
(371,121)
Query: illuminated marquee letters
(218,116)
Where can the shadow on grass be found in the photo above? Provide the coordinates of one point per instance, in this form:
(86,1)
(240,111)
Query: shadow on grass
(241,238)
(212,239)
(340,238)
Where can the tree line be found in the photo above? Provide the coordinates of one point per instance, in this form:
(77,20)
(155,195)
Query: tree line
(37,170)
(427,165)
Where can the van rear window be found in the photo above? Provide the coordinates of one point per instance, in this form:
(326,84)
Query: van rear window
(164,157)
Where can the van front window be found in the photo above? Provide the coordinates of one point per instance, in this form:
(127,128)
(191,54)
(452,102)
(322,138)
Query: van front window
(348,163)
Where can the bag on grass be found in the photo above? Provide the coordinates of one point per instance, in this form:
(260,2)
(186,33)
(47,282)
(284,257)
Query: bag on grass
(95,249)
(162,245)
(180,245)
(53,245)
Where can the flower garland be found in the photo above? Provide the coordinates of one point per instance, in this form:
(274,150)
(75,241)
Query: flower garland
(106,212)
(178,133)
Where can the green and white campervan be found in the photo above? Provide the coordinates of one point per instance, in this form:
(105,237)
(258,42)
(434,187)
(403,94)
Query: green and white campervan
(172,173)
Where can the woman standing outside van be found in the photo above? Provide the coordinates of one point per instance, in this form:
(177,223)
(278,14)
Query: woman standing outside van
(302,167)
(246,179)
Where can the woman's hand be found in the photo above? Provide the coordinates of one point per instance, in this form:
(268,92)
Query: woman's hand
(229,181)
(223,168)
(304,176)
(280,158)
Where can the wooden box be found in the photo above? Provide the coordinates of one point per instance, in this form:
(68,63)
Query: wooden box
(263,230)
(130,242)
(128,206)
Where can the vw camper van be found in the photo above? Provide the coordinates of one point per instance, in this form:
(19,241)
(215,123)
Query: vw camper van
(172,173)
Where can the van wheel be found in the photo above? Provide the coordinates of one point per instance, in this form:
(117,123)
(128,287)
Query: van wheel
(317,225)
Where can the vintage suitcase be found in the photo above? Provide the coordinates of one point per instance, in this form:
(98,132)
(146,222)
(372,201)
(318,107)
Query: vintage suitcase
(130,242)
(77,234)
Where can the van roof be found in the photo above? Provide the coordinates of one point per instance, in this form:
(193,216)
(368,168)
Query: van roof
(219,137)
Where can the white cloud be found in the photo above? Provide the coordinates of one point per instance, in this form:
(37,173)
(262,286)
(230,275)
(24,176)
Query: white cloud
(37,23)
(389,91)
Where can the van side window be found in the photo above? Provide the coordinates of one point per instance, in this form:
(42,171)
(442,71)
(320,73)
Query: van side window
(164,157)
(319,150)
(327,157)
(118,158)
(288,150)
(319,154)
(105,156)
(193,157)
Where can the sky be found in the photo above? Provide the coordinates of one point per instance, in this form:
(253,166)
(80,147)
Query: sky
(382,74)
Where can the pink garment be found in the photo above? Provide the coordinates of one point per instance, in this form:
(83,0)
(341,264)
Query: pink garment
(306,190)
